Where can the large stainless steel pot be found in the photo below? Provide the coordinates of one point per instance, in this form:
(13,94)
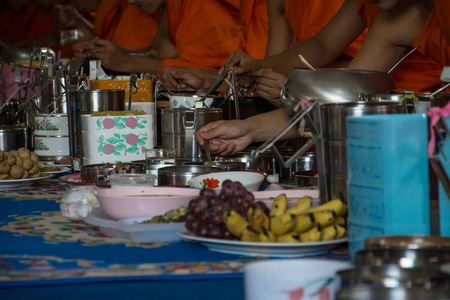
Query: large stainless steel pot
(86,102)
(178,127)
(331,85)
(14,137)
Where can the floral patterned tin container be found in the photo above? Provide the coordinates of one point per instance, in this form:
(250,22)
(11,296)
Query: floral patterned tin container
(116,138)
(54,125)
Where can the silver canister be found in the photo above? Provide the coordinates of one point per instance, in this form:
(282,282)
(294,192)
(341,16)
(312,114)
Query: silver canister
(178,127)
(334,138)
(14,137)
(86,102)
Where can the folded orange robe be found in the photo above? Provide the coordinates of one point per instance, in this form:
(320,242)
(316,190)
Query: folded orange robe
(418,72)
(255,27)
(308,17)
(125,24)
(204,32)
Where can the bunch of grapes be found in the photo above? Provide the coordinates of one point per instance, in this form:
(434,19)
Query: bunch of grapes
(204,215)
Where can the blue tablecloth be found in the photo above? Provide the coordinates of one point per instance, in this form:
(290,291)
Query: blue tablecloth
(41,250)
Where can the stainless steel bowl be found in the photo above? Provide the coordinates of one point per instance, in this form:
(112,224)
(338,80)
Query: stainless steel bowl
(394,276)
(264,162)
(408,242)
(180,175)
(395,293)
(405,258)
(306,162)
(306,178)
(98,173)
(332,85)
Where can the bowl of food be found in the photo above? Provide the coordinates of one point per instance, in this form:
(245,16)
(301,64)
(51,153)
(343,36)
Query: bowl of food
(142,202)
(249,179)
(99,173)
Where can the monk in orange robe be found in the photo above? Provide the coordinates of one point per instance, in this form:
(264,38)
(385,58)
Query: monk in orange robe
(192,33)
(124,24)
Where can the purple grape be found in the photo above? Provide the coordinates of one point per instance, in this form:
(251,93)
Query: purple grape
(203,231)
(194,226)
(216,219)
(215,232)
(207,193)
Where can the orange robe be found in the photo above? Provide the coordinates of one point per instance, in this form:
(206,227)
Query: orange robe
(26,24)
(308,17)
(418,72)
(255,27)
(433,40)
(125,24)
(204,32)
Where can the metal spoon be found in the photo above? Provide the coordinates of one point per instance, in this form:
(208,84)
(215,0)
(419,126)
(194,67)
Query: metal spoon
(439,90)
(306,63)
(402,59)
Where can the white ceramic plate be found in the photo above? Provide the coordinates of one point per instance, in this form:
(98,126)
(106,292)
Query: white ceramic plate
(262,249)
(61,171)
(19,183)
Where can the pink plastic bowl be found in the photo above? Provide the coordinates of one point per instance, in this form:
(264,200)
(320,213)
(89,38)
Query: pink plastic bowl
(142,202)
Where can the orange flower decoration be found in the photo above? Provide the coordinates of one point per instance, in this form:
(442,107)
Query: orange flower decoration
(211,183)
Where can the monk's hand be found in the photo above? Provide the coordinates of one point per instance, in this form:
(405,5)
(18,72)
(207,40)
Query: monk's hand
(225,137)
(243,63)
(268,85)
(83,50)
(110,54)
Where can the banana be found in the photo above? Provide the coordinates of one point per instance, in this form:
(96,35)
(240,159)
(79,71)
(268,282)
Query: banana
(312,235)
(289,238)
(340,221)
(303,222)
(234,222)
(267,236)
(328,233)
(302,205)
(257,219)
(340,231)
(340,224)
(279,206)
(324,217)
(282,224)
(335,205)
(249,235)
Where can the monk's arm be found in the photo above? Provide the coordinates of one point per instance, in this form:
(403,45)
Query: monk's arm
(325,46)
(391,36)
(280,34)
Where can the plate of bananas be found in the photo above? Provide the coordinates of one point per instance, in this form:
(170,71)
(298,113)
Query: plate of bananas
(284,230)
(273,249)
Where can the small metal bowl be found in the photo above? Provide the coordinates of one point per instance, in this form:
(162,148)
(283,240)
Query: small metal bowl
(404,258)
(98,173)
(180,175)
(408,242)
(394,276)
(306,178)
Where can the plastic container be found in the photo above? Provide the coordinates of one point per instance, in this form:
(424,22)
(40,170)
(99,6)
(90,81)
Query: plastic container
(388,192)
(78,202)
(128,180)
(140,233)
